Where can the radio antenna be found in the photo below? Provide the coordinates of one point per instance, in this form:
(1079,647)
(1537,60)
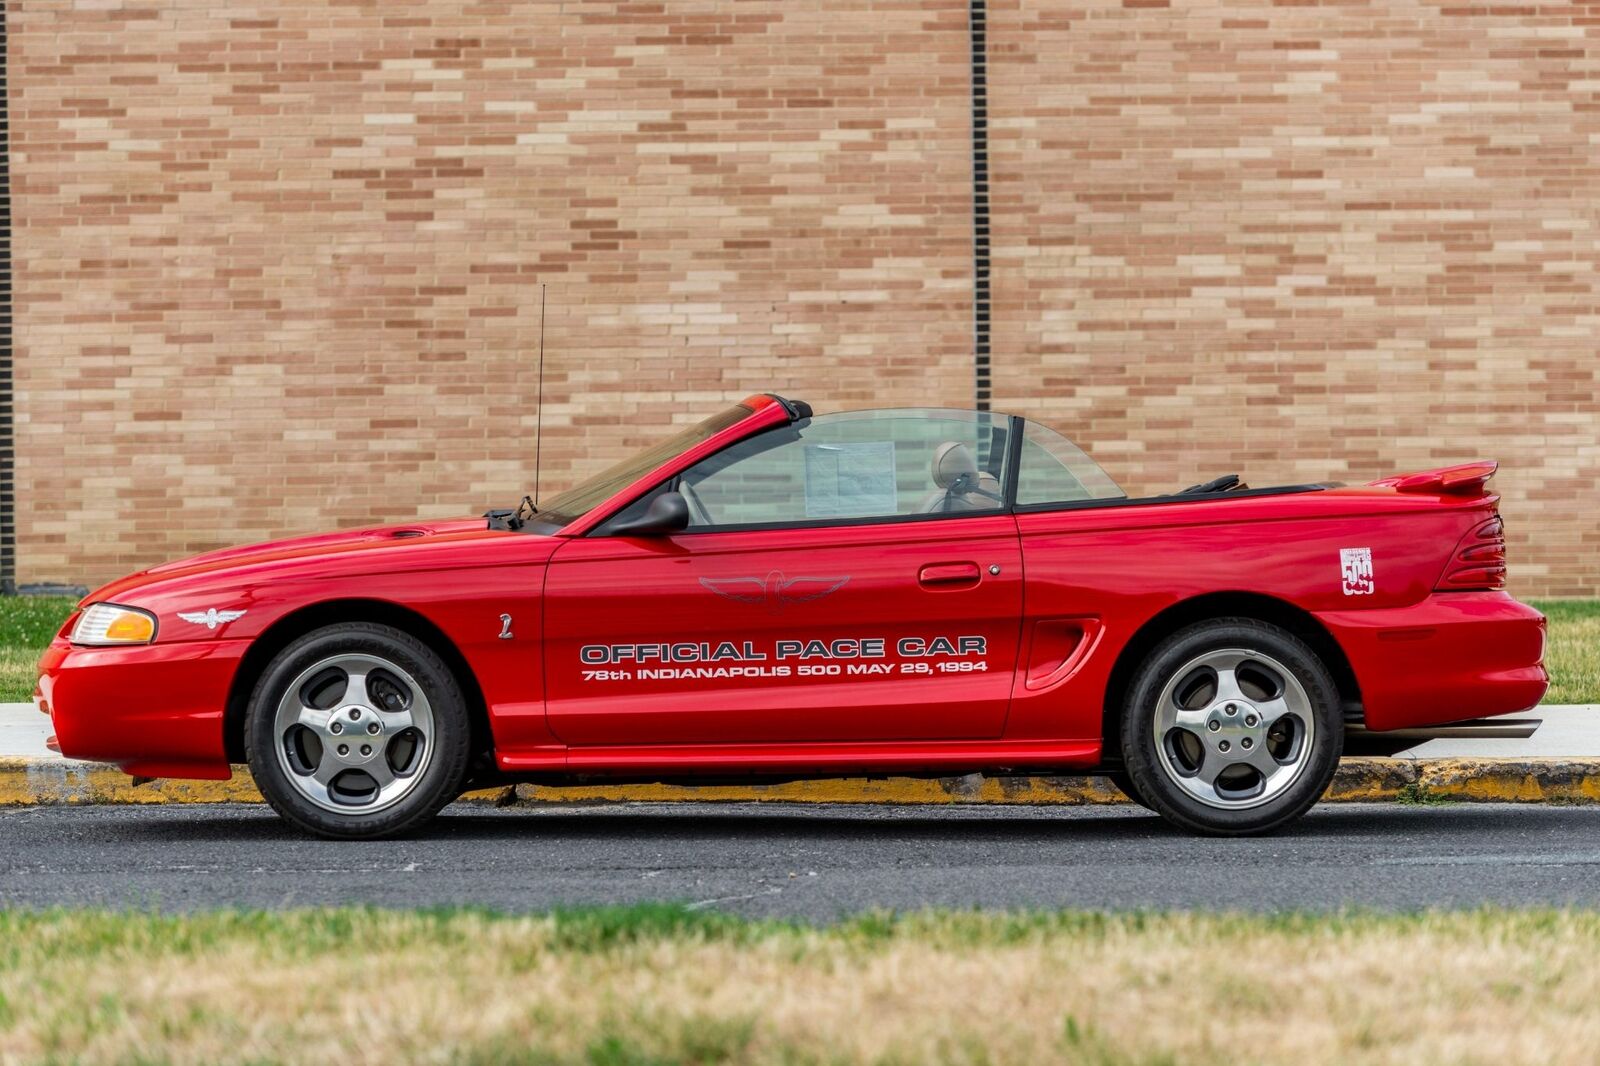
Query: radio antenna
(538,418)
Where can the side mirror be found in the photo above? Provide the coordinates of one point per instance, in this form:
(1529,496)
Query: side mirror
(667,513)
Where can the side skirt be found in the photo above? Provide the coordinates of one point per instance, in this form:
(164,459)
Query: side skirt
(941,758)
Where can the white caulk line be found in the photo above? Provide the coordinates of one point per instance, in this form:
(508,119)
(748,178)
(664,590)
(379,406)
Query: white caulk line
(704,903)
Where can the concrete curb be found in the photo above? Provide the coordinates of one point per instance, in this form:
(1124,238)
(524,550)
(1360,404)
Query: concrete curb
(57,782)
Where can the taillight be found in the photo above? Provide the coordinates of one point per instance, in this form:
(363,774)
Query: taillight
(1479,561)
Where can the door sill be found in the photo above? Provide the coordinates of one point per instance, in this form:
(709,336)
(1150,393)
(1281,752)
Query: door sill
(878,757)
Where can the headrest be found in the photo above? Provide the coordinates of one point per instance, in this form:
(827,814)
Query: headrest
(952,461)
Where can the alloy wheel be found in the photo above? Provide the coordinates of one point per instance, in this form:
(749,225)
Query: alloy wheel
(354,733)
(1234,728)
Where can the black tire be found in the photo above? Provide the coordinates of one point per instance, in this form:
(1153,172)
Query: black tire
(440,777)
(1126,786)
(1148,767)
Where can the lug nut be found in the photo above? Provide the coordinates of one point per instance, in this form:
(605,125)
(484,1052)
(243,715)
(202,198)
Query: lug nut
(336,728)
(373,728)
(1223,746)
(1247,742)
(366,749)
(1232,709)
(1213,725)
(1249,719)
(354,714)
(344,749)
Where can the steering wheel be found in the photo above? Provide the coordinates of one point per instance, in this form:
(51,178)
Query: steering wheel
(1225,483)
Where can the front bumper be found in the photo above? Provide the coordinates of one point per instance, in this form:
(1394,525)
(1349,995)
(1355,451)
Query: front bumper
(156,710)
(1452,657)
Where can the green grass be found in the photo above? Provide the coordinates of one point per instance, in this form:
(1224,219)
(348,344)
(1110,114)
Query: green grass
(1573,652)
(668,985)
(1417,794)
(26,625)
(28,622)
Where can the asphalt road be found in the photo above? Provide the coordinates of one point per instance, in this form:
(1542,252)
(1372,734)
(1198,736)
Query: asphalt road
(805,861)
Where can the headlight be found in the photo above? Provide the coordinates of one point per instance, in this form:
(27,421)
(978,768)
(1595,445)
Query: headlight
(108,623)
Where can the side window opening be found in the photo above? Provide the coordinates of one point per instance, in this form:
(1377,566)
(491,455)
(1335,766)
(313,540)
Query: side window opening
(1051,469)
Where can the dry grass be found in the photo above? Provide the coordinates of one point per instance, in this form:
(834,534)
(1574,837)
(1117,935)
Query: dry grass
(660,985)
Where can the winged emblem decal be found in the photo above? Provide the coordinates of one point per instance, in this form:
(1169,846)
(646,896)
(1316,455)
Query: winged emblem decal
(211,618)
(775,590)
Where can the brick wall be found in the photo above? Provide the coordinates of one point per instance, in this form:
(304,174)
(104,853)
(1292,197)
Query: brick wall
(1305,241)
(278,264)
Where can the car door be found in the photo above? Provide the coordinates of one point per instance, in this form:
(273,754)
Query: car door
(847,578)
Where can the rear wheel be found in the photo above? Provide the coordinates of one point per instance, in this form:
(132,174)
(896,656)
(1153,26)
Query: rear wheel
(1231,727)
(358,730)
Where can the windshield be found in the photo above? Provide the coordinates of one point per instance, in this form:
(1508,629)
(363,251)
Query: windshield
(573,504)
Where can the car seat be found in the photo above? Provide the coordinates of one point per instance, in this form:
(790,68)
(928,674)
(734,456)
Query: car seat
(961,485)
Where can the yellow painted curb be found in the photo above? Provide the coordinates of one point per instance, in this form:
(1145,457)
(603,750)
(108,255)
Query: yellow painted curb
(1373,780)
(61,782)
(42,782)
(1519,781)
(56,782)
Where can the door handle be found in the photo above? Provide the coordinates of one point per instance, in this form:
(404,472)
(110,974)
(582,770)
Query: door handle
(948,575)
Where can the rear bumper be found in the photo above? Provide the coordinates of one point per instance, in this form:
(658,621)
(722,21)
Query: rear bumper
(1454,656)
(155,710)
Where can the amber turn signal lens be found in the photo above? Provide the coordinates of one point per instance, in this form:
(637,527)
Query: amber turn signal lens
(131,627)
(110,623)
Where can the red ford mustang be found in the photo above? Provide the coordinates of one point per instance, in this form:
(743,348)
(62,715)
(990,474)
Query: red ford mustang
(772,594)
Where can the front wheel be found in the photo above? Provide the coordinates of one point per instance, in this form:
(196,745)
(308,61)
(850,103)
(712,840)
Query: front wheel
(358,731)
(1232,726)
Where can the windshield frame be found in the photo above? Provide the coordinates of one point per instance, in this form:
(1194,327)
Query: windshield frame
(762,411)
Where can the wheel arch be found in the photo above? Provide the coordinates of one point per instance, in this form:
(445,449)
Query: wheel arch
(299,622)
(1258,606)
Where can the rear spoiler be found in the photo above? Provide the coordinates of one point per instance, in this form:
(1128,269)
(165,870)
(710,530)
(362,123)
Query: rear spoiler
(1468,479)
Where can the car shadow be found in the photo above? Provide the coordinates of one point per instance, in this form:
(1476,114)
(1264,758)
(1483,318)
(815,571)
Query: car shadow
(1052,824)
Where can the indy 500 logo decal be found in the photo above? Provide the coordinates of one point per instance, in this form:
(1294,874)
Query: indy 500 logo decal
(1355,568)
(775,590)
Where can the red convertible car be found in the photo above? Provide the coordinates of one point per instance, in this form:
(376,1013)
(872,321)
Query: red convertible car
(776,595)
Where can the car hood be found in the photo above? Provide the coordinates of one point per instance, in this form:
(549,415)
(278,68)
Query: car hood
(349,542)
(323,543)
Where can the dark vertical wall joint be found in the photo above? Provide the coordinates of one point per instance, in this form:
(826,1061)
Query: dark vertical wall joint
(8,455)
(978,27)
